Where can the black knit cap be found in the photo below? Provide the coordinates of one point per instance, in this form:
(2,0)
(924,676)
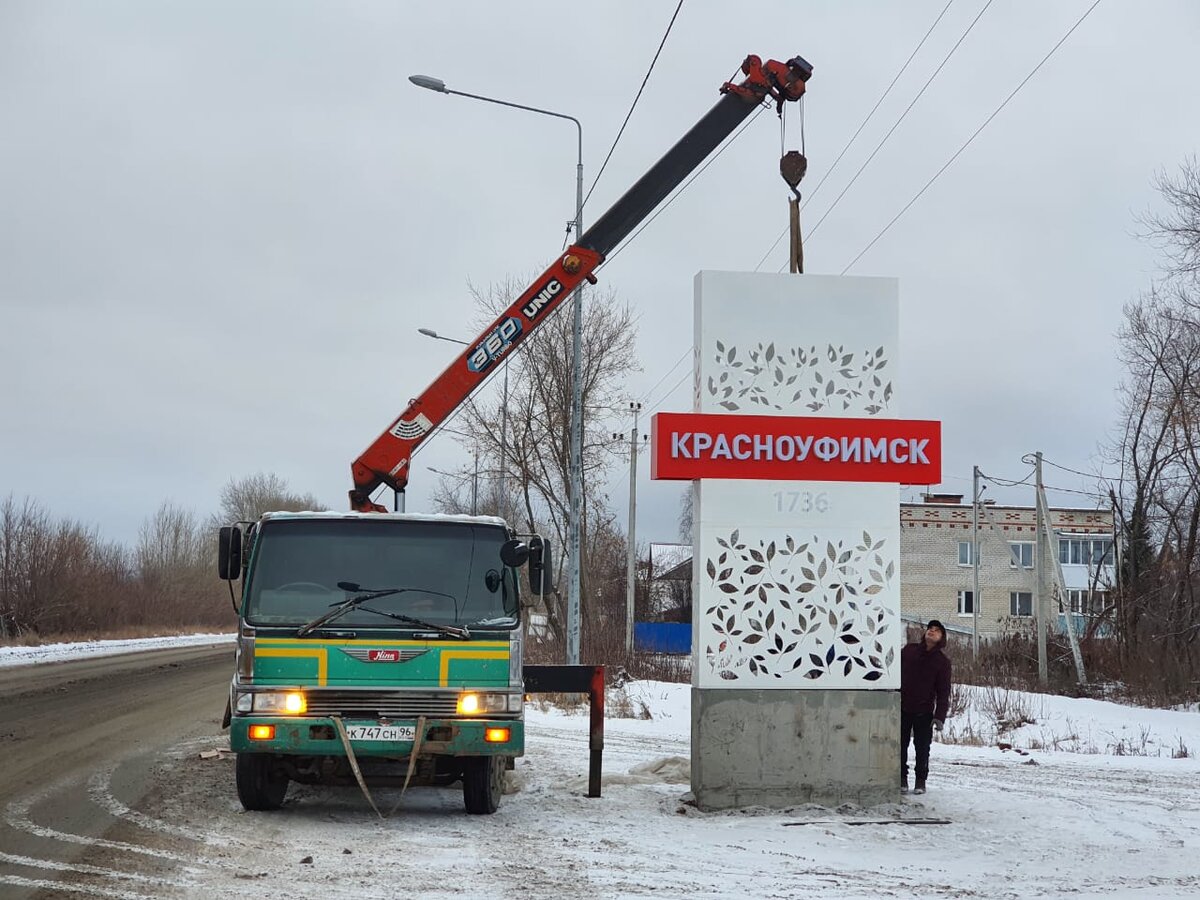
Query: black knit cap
(934,623)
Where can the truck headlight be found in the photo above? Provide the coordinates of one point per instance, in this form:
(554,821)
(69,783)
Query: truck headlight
(280,703)
(474,703)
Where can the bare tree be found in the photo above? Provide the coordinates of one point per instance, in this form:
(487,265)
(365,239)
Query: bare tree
(1177,230)
(524,446)
(176,565)
(246,499)
(1157,497)
(56,577)
(686,514)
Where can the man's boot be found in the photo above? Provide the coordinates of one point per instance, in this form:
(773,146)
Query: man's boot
(904,784)
(920,788)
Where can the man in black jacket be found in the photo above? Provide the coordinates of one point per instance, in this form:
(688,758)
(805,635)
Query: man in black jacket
(924,699)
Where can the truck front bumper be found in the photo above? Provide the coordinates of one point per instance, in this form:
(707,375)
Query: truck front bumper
(318,736)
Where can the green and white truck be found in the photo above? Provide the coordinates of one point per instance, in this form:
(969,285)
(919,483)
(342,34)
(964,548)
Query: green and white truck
(385,645)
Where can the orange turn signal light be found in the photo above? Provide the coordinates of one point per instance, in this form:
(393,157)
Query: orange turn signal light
(497,735)
(262,732)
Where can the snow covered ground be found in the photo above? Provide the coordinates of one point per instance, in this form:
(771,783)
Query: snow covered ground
(1100,807)
(20,656)
(1046,824)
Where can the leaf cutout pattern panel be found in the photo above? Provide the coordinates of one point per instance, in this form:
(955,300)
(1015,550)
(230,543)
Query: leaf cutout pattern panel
(812,607)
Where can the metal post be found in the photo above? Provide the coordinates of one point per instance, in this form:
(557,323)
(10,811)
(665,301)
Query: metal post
(504,448)
(475,487)
(631,580)
(975,564)
(1039,593)
(576,489)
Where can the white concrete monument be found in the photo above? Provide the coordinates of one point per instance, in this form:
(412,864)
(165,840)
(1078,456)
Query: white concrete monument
(796,454)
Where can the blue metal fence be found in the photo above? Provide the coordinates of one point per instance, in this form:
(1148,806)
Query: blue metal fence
(663,637)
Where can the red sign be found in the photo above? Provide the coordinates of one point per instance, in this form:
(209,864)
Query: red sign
(383,656)
(795,448)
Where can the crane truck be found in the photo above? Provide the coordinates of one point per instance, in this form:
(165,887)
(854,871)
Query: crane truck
(390,644)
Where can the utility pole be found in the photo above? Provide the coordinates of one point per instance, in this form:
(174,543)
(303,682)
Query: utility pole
(1060,586)
(575,521)
(1039,591)
(975,563)
(475,487)
(631,577)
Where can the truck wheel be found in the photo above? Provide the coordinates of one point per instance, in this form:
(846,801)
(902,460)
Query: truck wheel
(483,783)
(260,783)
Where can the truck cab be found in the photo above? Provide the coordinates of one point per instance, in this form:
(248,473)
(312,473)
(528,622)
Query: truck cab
(378,645)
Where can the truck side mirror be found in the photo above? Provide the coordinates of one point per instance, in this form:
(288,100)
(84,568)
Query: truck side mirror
(229,553)
(541,567)
(514,553)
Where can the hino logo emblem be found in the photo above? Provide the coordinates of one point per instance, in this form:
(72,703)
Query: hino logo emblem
(384,655)
(495,344)
(549,291)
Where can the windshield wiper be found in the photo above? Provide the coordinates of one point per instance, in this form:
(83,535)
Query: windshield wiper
(454,630)
(340,609)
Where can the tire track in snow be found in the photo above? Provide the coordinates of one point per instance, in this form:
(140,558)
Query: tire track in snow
(101,794)
(30,862)
(18,817)
(61,886)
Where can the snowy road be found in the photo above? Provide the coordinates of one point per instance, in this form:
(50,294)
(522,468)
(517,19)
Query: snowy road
(157,820)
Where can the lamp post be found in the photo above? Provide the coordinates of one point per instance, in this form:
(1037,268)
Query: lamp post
(576,463)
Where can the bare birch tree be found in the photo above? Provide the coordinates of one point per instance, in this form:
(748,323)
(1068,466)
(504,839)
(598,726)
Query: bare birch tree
(524,445)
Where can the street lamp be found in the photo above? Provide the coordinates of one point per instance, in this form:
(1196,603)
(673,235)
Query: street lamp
(576,464)
(429,332)
(474,476)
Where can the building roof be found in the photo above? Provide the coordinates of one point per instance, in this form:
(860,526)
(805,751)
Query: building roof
(671,562)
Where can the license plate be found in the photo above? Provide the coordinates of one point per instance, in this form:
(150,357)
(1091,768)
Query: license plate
(381,732)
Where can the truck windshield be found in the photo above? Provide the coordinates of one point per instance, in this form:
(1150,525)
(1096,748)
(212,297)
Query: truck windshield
(451,571)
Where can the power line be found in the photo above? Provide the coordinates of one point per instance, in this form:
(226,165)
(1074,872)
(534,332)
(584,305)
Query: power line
(1004,482)
(663,398)
(958,152)
(854,136)
(1073,471)
(903,115)
(661,44)
(1061,490)
(666,375)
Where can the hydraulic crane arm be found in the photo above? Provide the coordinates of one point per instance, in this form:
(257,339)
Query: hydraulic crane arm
(386,461)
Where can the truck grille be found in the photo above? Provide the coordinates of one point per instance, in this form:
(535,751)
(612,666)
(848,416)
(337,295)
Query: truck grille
(380,704)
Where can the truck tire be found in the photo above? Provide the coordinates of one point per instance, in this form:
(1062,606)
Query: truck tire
(483,784)
(261,785)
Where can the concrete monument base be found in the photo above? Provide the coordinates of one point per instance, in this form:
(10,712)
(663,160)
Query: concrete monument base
(783,748)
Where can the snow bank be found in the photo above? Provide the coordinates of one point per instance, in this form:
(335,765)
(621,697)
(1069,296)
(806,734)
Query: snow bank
(1028,721)
(21,656)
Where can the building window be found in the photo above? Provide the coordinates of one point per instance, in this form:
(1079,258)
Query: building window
(966,603)
(964,554)
(1087,603)
(1020,603)
(1085,551)
(1022,554)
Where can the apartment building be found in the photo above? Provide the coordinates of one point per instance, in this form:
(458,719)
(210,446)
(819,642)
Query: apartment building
(936,563)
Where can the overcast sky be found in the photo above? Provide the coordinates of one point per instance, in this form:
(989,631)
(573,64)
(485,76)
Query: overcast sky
(221,223)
